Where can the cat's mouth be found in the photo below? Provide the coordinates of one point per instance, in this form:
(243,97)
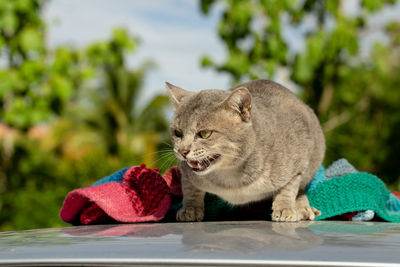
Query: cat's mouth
(204,164)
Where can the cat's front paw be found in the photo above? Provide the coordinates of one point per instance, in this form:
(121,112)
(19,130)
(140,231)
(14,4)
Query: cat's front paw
(190,214)
(285,215)
(308,213)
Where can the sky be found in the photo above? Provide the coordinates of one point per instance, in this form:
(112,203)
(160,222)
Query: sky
(173,33)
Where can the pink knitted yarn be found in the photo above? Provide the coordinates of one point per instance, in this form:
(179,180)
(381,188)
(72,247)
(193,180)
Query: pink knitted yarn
(142,196)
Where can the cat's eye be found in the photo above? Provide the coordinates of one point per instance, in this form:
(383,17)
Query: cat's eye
(178,133)
(205,134)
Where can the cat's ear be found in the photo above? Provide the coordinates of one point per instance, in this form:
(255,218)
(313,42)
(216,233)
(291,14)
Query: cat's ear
(176,93)
(240,101)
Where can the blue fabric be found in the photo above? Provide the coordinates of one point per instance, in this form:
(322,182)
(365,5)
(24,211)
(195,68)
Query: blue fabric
(319,178)
(115,177)
(339,168)
(393,204)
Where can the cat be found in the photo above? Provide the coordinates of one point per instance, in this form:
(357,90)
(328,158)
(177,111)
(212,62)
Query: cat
(255,141)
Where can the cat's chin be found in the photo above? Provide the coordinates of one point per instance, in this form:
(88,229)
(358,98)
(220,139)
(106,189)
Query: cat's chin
(203,166)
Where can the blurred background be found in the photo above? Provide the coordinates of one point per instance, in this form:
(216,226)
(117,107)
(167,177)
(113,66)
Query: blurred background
(82,83)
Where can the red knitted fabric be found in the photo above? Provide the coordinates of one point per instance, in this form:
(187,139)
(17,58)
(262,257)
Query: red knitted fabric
(173,179)
(148,186)
(94,215)
(142,196)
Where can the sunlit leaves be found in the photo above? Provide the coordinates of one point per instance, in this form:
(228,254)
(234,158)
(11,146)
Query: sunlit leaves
(121,38)
(8,18)
(236,22)
(344,38)
(306,63)
(31,40)
(372,5)
(68,116)
(113,51)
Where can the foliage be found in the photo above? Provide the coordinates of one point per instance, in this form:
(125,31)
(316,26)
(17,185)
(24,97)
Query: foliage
(68,116)
(353,91)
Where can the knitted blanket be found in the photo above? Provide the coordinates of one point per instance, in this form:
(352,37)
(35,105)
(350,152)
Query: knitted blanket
(342,189)
(138,194)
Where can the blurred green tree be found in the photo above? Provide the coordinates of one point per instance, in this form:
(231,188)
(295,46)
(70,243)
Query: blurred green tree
(23,100)
(67,116)
(354,92)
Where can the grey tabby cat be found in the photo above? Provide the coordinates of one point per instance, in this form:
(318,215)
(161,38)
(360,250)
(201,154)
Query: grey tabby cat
(250,143)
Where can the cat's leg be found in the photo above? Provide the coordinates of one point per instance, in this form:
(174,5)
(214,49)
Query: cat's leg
(192,204)
(306,212)
(284,203)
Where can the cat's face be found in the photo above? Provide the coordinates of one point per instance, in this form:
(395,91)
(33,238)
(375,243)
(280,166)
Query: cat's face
(209,131)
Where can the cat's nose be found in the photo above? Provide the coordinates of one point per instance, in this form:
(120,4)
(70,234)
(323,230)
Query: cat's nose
(184,152)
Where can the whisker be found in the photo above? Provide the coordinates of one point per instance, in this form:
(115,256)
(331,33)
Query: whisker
(163,161)
(165,156)
(168,163)
(168,144)
(158,152)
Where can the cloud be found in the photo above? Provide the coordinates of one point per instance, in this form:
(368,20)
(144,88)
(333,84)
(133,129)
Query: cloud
(173,34)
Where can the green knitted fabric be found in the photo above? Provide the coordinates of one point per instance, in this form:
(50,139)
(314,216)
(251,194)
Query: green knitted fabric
(351,192)
(216,208)
(354,192)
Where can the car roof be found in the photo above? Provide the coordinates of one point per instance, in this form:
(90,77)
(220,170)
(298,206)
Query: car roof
(245,243)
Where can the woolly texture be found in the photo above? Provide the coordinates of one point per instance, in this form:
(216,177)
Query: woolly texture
(354,192)
(336,169)
(318,179)
(135,194)
(339,168)
(363,216)
(138,194)
(94,214)
(146,189)
(115,177)
(173,179)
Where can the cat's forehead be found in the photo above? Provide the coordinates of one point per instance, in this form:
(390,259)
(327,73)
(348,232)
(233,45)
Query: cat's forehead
(206,98)
(199,109)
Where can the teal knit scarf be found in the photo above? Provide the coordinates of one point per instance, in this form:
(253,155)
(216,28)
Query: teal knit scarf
(351,191)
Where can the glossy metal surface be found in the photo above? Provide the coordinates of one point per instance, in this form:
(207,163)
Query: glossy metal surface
(207,244)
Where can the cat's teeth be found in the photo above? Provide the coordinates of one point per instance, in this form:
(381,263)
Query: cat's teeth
(193,164)
(203,164)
